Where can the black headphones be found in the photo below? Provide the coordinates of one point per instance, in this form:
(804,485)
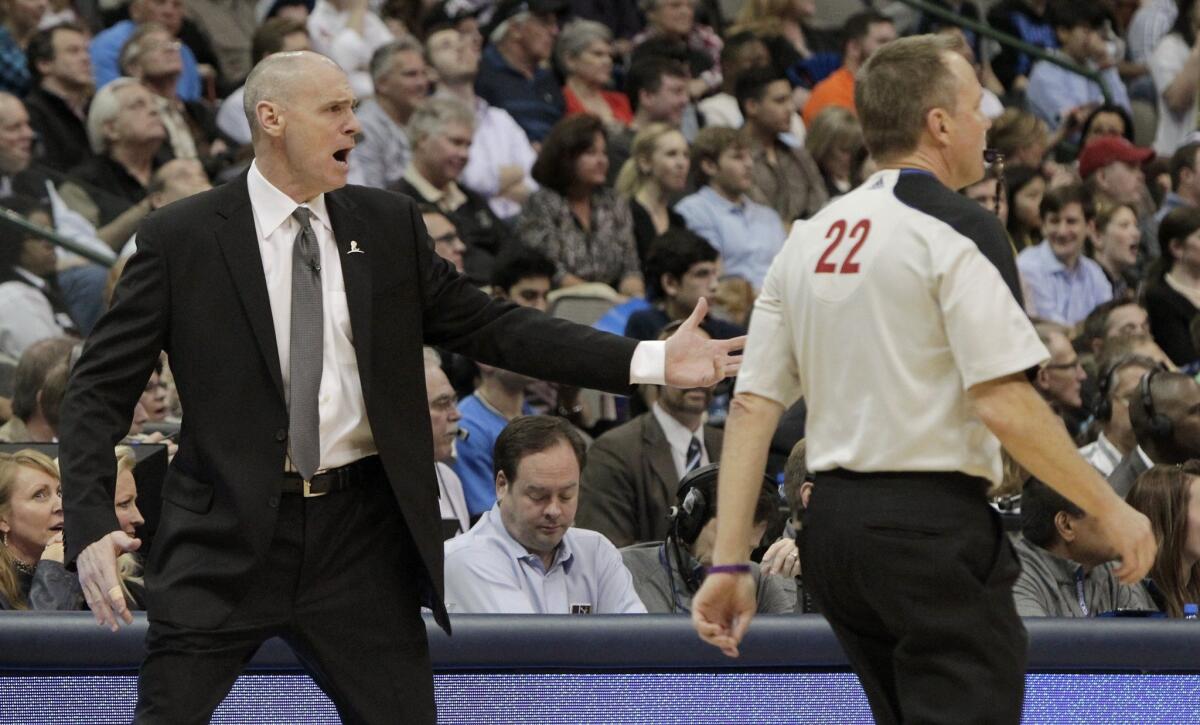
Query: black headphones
(694,509)
(1161,427)
(1108,380)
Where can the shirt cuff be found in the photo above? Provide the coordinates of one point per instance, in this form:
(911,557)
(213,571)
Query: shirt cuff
(649,363)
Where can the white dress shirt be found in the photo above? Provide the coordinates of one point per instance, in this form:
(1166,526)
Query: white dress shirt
(679,438)
(345,432)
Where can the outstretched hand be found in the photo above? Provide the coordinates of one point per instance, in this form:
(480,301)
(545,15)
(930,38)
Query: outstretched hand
(694,360)
(100,580)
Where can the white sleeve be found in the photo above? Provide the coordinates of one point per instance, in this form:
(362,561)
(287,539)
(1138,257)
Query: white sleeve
(988,332)
(769,365)
(649,363)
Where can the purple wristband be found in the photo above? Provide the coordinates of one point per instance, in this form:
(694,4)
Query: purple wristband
(728,569)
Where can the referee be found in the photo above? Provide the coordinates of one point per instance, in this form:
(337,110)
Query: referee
(894,313)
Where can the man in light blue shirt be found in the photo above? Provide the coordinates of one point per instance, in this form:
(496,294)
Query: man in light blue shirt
(499,398)
(1054,92)
(523,556)
(747,235)
(1064,284)
(106,46)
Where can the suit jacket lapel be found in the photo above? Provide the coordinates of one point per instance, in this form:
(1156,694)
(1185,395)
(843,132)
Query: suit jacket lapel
(658,452)
(352,237)
(238,241)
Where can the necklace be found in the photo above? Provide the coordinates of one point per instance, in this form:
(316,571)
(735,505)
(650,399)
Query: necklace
(24,568)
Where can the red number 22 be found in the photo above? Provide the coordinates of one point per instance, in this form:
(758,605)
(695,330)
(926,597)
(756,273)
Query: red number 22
(837,231)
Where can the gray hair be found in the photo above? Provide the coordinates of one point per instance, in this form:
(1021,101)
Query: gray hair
(381,59)
(433,359)
(267,81)
(434,115)
(105,107)
(502,29)
(576,37)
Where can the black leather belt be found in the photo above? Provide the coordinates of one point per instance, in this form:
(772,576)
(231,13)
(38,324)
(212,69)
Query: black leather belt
(335,479)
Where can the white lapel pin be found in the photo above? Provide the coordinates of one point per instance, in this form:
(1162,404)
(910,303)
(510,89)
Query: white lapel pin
(354,248)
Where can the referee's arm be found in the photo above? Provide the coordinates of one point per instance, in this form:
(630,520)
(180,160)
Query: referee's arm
(1036,438)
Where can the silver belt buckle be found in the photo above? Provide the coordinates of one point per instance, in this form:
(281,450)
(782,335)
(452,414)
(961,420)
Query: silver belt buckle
(308,492)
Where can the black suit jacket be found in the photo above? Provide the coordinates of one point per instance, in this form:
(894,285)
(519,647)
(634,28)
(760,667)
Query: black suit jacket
(629,481)
(196,290)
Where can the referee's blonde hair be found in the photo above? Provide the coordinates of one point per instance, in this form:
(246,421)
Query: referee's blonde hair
(897,88)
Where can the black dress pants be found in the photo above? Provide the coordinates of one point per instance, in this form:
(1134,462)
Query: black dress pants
(339,585)
(914,573)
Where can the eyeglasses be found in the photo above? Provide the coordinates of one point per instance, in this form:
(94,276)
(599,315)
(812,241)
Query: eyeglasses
(1063,366)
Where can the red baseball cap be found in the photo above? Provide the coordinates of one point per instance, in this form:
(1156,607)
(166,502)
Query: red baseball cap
(1102,151)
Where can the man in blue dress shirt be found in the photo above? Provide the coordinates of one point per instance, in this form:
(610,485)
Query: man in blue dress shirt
(524,556)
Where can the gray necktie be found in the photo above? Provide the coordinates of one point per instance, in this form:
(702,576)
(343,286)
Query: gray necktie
(305,350)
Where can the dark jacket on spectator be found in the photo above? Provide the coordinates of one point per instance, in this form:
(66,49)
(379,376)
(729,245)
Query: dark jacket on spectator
(62,142)
(103,172)
(478,226)
(51,587)
(1170,321)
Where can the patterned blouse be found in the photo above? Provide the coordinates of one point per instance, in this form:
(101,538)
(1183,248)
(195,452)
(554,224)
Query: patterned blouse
(606,254)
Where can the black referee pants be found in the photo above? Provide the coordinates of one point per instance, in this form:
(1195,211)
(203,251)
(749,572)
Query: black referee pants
(914,573)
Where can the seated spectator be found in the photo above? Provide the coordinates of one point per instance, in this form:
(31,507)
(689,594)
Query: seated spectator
(31,305)
(276,35)
(106,46)
(1024,187)
(499,399)
(1117,382)
(126,132)
(512,75)
(633,470)
(1175,67)
(32,422)
(32,575)
(525,556)
(834,142)
(446,242)
(401,85)
(742,51)
(1060,379)
(787,31)
(1023,139)
(688,548)
(986,193)
(680,269)
(61,70)
(444,417)
(1055,93)
(657,90)
(1172,291)
(655,173)
(1066,562)
(1116,245)
(1168,496)
(1165,415)
(746,234)
(1024,19)
(581,225)
(151,55)
(1112,166)
(229,31)
(1185,191)
(525,277)
(501,156)
(1106,120)
(675,21)
(584,53)
(18,24)
(440,132)
(1063,283)
(349,32)
(1149,24)
(1120,317)
(785,176)
(862,35)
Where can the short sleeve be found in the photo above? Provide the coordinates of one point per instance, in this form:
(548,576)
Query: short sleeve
(769,366)
(988,332)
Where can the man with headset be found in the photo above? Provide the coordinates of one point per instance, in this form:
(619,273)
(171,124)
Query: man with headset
(894,312)
(1164,413)
(1117,383)
(666,574)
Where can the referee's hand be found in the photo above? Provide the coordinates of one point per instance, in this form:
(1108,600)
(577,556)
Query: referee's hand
(1128,532)
(722,610)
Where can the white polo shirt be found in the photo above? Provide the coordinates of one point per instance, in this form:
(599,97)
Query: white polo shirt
(882,315)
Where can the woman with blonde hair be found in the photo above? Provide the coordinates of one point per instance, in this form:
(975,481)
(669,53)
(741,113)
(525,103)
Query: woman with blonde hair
(834,140)
(655,173)
(1170,497)
(32,575)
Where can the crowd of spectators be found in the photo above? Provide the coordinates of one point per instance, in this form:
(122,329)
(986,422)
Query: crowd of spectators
(639,156)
